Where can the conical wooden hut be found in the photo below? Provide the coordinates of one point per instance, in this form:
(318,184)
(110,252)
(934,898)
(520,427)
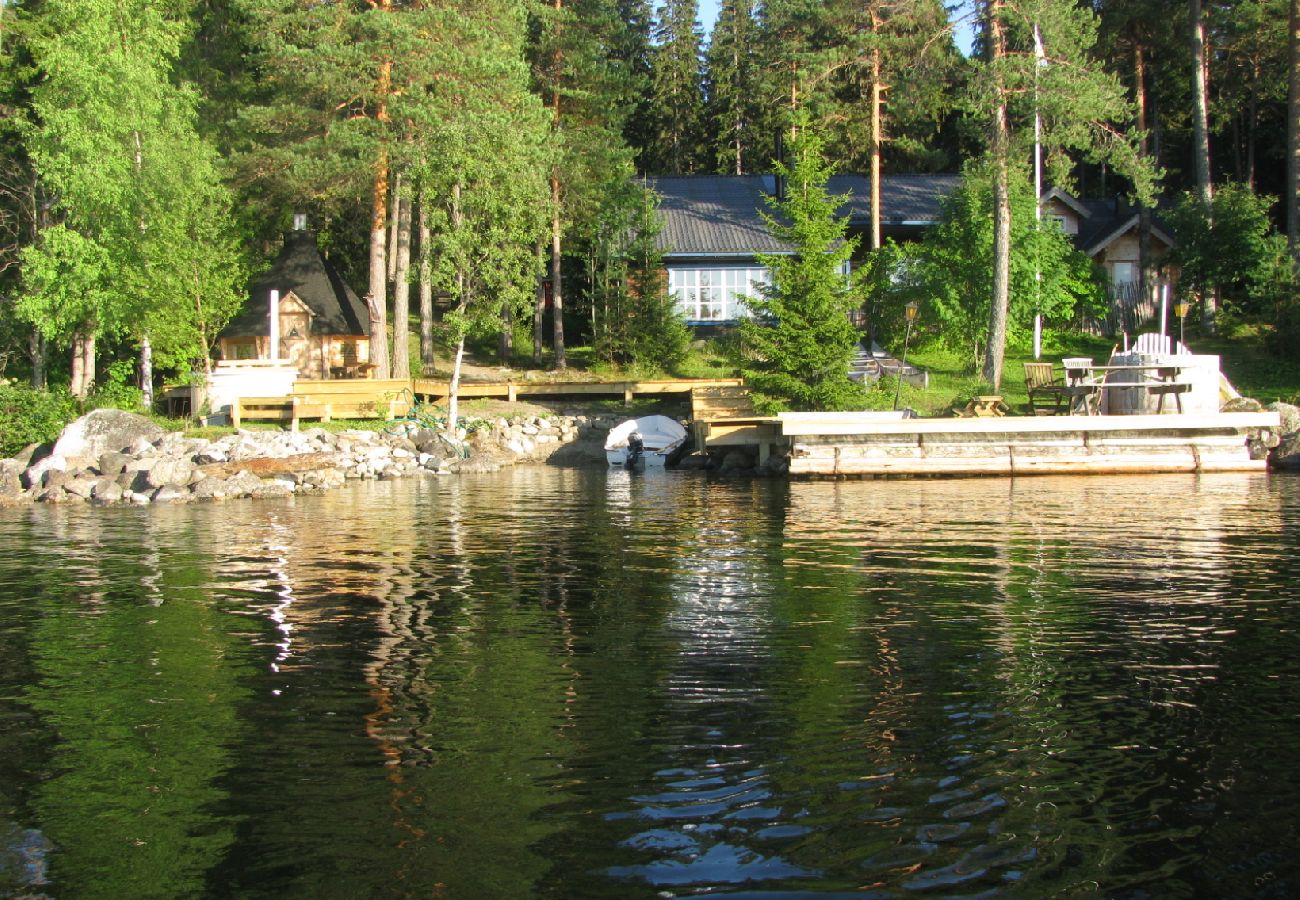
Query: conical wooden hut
(323,326)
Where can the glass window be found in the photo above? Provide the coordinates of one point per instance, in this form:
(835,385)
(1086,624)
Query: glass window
(714,295)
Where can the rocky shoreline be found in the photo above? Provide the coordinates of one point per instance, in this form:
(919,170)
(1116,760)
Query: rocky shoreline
(111,457)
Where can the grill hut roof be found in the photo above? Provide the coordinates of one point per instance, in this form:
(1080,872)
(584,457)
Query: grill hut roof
(300,269)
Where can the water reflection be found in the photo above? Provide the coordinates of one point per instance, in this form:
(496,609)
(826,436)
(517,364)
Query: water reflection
(560,683)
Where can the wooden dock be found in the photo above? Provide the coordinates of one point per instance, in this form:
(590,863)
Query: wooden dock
(858,444)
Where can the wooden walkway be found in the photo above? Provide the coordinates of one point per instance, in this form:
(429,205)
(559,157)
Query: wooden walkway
(627,391)
(364,398)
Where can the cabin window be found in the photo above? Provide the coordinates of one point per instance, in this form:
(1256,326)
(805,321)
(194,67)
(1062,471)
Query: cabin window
(715,295)
(246,349)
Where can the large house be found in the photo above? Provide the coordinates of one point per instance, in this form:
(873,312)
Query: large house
(713,232)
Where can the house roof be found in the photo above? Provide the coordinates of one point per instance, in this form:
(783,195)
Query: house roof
(1108,220)
(718,215)
(300,268)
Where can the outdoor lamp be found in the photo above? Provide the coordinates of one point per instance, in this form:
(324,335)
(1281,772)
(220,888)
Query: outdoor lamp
(1180,310)
(909,311)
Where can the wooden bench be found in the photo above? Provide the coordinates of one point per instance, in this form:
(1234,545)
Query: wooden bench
(984,406)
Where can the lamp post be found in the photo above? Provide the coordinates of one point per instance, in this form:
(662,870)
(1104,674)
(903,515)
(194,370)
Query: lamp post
(910,311)
(1180,310)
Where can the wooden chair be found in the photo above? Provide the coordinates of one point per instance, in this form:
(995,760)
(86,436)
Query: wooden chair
(1044,387)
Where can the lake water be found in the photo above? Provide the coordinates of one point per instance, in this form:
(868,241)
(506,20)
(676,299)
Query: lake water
(566,684)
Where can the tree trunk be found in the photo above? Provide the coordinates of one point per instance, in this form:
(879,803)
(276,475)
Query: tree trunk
(83,364)
(402,292)
(36,350)
(426,291)
(1001,147)
(146,373)
(377,298)
(1201,139)
(506,343)
(875,141)
(1144,213)
(1293,144)
(394,218)
(453,389)
(557,302)
(538,309)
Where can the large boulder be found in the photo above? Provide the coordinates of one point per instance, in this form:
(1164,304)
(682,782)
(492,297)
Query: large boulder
(11,486)
(1286,455)
(102,431)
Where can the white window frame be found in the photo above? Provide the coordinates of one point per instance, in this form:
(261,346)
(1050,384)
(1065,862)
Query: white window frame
(714,294)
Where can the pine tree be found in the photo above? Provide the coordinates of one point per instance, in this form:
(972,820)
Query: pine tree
(585,90)
(1082,108)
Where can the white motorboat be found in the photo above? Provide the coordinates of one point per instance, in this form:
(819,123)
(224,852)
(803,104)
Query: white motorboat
(645,442)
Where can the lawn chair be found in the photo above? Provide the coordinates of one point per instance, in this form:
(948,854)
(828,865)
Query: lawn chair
(1046,391)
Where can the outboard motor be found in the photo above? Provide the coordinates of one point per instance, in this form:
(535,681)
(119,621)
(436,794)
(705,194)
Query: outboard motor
(635,449)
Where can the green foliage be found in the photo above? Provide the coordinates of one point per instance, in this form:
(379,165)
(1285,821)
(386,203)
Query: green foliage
(29,416)
(636,322)
(141,241)
(117,391)
(949,274)
(1230,248)
(800,340)
(677,91)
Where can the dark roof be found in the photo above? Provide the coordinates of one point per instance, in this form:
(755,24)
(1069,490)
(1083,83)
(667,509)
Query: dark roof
(300,268)
(1107,220)
(719,214)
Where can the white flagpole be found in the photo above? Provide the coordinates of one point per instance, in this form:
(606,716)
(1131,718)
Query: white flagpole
(1039,58)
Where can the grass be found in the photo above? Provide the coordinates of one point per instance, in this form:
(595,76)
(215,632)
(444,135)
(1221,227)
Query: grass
(1245,357)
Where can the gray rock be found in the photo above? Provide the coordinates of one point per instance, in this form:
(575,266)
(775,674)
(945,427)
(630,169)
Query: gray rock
(96,433)
(209,489)
(11,480)
(273,487)
(170,494)
(170,471)
(32,454)
(81,485)
(211,455)
(1286,455)
(242,484)
(114,462)
(736,461)
(106,490)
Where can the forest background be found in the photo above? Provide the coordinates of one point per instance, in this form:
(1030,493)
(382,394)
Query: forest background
(471,165)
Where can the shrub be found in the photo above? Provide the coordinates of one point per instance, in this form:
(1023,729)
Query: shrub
(29,416)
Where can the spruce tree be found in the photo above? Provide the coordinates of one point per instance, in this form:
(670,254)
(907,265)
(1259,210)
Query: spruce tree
(677,86)
(799,341)
(732,111)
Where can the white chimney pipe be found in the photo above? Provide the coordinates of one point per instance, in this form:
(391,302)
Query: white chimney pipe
(275,324)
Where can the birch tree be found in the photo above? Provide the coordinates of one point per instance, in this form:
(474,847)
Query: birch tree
(143,243)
